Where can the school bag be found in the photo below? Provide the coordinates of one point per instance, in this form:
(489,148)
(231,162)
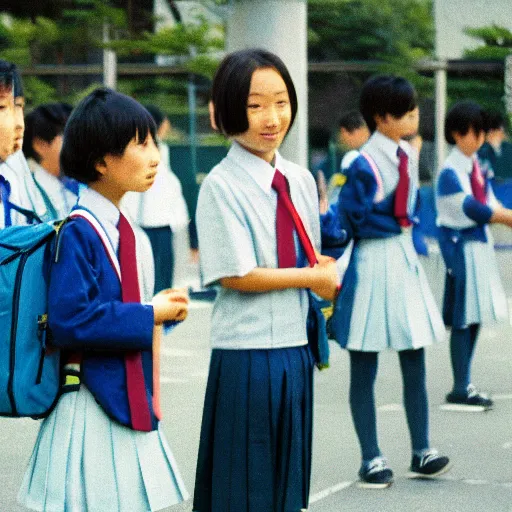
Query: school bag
(29,369)
(30,376)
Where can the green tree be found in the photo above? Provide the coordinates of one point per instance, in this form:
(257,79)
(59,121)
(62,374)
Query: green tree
(497,43)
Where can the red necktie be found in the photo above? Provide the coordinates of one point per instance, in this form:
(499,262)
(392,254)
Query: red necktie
(402,189)
(135,384)
(478,183)
(287,219)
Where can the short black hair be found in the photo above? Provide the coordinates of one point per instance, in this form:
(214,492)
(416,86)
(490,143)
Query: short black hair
(232,82)
(386,94)
(462,117)
(10,68)
(495,120)
(103,123)
(45,122)
(351,120)
(157,114)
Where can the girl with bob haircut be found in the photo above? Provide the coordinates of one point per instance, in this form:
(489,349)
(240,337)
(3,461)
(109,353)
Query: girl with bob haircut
(258,227)
(102,447)
(466,204)
(385,301)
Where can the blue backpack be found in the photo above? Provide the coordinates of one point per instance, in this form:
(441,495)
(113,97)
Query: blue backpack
(29,369)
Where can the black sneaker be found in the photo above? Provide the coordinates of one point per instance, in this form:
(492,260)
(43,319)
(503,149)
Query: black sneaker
(375,474)
(429,465)
(473,399)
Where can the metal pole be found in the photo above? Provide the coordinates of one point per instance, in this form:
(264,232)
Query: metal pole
(508,85)
(191,89)
(109,61)
(440,76)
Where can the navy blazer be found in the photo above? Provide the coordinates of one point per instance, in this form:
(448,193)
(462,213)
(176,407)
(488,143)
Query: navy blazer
(358,217)
(86,314)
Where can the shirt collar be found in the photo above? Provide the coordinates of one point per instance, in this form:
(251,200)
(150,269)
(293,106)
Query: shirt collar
(260,171)
(460,161)
(389,147)
(106,211)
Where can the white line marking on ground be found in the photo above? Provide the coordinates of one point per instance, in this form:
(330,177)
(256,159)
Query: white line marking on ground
(330,490)
(448,478)
(507,445)
(502,396)
(391,408)
(510,309)
(461,408)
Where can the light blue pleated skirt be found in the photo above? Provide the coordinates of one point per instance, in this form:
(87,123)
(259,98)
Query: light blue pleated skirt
(486,301)
(84,461)
(390,305)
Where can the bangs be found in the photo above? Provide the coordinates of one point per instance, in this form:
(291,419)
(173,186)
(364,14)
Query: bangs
(6,83)
(125,119)
(386,94)
(465,116)
(103,123)
(401,98)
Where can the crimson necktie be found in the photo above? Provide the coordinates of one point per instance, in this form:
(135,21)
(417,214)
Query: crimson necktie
(135,384)
(402,189)
(478,183)
(287,219)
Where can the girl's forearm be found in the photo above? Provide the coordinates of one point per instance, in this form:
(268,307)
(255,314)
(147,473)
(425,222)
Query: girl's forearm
(267,279)
(502,216)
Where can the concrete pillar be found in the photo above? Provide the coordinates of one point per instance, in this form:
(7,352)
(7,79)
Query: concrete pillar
(440,77)
(279,26)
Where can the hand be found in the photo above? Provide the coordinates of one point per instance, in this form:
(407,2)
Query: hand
(194,256)
(170,305)
(322,259)
(326,279)
(175,294)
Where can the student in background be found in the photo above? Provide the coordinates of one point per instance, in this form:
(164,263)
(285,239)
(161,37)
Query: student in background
(353,133)
(385,301)
(496,151)
(466,205)
(162,213)
(22,202)
(42,143)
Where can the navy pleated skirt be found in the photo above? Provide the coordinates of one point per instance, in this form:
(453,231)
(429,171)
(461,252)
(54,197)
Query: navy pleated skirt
(255,446)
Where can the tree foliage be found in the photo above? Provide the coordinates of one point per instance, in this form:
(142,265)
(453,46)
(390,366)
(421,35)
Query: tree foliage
(497,43)
(370,29)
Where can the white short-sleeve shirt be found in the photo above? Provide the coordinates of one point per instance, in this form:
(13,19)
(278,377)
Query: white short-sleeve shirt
(236,224)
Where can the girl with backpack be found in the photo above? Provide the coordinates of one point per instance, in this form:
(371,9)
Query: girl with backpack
(102,447)
(259,235)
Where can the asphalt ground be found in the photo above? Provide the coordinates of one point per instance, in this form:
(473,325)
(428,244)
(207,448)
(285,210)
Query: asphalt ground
(479,444)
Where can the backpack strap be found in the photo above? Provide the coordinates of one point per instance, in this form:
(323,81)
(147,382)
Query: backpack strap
(72,368)
(5,192)
(102,234)
(379,194)
(46,199)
